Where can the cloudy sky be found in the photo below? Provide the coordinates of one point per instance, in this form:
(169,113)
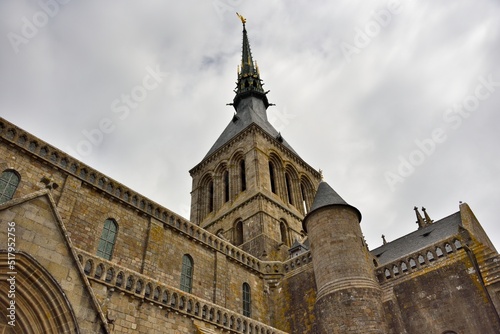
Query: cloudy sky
(397,103)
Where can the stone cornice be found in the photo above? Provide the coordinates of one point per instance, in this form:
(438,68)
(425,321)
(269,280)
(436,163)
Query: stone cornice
(60,160)
(252,128)
(257,196)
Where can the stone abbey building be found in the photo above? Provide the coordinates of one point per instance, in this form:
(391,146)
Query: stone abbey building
(270,248)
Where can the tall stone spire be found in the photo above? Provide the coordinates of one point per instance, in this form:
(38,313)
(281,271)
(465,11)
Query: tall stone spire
(249,82)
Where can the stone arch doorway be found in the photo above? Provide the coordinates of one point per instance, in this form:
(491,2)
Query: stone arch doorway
(40,304)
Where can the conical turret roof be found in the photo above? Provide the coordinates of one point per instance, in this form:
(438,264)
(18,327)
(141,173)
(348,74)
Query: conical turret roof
(326,196)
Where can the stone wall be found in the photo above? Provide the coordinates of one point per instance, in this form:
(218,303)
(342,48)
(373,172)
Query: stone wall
(151,240)
(443,297)
(50,286)
(296,296)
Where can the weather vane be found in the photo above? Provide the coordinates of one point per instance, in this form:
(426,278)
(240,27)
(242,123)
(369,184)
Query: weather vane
(243,20)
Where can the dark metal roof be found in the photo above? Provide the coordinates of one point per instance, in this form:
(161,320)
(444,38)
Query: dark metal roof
(326,196)
(422,238)
(251,110)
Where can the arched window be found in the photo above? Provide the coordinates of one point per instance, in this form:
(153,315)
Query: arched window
(303,194)
(226,186)
(238,233)
(210,196)
(247,300)
(272,177)
(243,177)
(9,180)
(187,273)
(306,192)
(107,240)
(283,232)
(288,188)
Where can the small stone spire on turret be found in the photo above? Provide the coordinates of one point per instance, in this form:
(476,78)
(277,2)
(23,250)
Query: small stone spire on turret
(420,221)
(428,219)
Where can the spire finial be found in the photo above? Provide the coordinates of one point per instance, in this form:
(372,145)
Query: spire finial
(428,219)
(383,239)
(243,20)
(420,220)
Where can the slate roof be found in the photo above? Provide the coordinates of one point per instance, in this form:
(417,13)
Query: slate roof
(325,196)
(251,110)
(422,238)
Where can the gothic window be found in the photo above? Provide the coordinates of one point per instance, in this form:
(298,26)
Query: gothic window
(226,186)
(303,194)
(210,196)
(288,188)
(243,177)
(9,180)
(272,177)
(306,192)
(238,233)
(107,240)
(247,300)
(283,232)
(187,273)
(413,264)
(448,248)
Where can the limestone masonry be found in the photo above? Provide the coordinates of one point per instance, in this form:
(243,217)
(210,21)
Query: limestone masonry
(270,248)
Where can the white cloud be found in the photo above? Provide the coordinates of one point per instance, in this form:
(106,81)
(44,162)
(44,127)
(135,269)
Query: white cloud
(353,120)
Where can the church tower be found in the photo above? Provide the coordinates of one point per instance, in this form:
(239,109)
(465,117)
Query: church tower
(252,188)
(349,298)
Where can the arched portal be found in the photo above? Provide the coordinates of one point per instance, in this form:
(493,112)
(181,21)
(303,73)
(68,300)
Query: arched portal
(40,303)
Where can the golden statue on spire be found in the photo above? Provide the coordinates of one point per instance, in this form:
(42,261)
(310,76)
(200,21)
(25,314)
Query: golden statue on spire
(243,20)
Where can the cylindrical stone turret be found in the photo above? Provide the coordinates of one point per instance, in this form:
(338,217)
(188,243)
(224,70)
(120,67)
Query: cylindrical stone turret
(348,295)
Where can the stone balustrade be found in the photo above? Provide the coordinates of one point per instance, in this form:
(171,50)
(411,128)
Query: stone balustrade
(145,289)
(418,260)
